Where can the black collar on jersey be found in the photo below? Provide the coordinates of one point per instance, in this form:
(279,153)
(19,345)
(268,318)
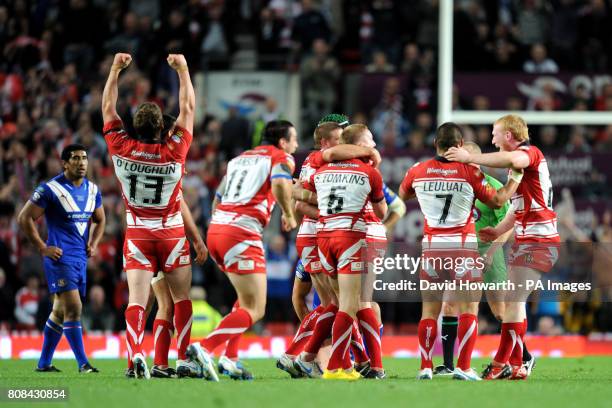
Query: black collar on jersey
(525,143)
(441,159)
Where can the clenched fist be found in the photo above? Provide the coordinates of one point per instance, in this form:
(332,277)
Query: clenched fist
(122,60)
(177,61)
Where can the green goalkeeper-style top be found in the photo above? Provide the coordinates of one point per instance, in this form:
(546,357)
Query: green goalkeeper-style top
(489,217)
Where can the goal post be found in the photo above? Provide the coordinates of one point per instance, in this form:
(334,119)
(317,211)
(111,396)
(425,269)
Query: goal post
(445,90)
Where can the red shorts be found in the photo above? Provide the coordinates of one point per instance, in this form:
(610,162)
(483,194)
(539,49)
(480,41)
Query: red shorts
(309,254)
(538,256)
(156,255)
(235,251)
(342,253)
(461,264)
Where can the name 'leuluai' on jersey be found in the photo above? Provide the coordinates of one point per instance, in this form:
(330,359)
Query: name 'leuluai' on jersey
(245,194)
(446,192)
(343,190)
(68,210)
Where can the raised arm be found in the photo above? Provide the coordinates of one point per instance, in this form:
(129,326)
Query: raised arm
(111,92)
(186,115)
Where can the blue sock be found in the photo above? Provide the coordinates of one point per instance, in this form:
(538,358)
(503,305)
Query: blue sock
(52,334)
(74,334)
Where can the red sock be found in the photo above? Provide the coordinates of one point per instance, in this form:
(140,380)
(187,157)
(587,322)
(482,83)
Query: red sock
(162,335)
(304,332)
(357,346)
(183,317)
(322,329)
(341,338)
(467,332)
(370,328)
(516,357)
(135,325)
(510,332)
(231,348)
(232,325)
(428,330)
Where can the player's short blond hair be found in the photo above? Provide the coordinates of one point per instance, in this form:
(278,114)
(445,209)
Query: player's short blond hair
(324,131)
(352,133)
(516,126)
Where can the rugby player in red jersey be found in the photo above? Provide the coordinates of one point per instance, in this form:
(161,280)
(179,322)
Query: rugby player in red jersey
(150,170)
(343,189)
(255,180)
(446,192)
(536,240)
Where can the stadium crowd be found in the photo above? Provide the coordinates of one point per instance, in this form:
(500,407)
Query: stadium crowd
(55,55)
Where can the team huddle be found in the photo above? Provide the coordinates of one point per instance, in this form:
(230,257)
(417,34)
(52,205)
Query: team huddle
(344,212)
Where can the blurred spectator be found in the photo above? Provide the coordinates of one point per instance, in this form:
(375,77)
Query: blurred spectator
(97,315)
(603,231)
(309,26)
(280,260)
(548,138)
(481,103)
(7,302)
(577,141)
(379,64)
(215,47)
(205,317)
(269,39)
(235,134)
(532,22)
(547,326)
(26,304)
(271,112)
(539,62)
(388,123)
(319,74)
(410,62)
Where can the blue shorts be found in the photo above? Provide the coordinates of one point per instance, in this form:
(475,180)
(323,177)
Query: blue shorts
(64,277)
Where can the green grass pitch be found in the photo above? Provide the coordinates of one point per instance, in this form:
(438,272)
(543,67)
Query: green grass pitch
(568,382)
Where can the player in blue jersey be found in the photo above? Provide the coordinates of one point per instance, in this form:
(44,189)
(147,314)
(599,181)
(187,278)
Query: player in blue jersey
(72,206)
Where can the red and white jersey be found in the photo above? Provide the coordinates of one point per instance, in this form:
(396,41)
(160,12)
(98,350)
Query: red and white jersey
(343,190)
(245,195)
(150,176)
(446,192)
(375,230)
(308,227)
(535,219)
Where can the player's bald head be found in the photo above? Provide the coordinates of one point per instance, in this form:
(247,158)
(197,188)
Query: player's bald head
(472,147)
(448,135)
